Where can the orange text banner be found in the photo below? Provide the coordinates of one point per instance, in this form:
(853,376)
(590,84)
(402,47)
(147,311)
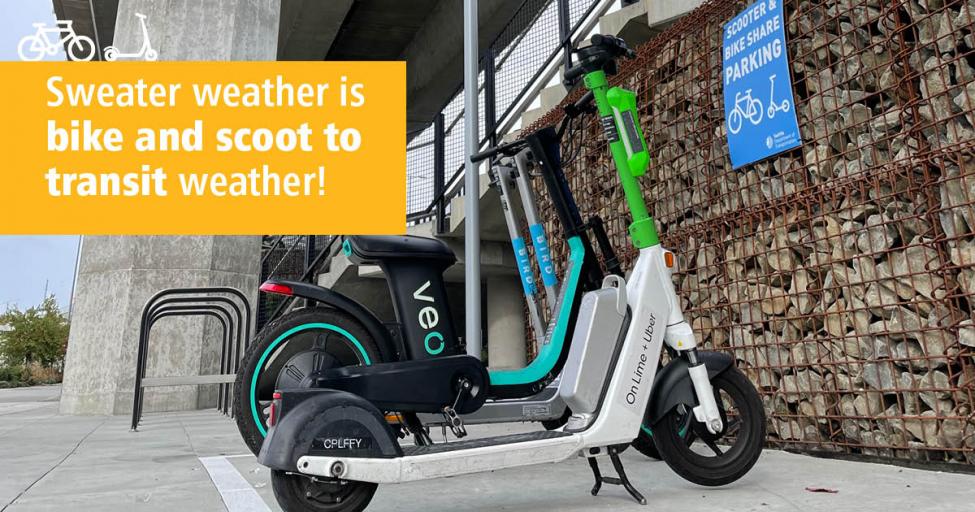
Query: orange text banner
(203,148)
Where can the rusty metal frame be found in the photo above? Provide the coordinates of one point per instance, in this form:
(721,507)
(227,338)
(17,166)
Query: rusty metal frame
(841,275)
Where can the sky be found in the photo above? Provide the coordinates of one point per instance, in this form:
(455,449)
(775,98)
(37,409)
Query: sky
(28,264)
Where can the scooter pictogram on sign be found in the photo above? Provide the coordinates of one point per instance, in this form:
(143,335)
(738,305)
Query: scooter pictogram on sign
(774,107)
(146,52)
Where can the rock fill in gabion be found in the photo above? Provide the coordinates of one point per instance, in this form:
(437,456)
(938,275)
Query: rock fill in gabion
(840,275)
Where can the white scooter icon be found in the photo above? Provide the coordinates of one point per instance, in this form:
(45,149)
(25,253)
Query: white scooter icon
(146,52)
(772,106)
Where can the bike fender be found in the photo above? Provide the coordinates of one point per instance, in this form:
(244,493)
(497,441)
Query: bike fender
(326,422)
(672,385)
(332,298)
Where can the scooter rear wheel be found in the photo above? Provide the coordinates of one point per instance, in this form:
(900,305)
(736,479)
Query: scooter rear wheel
(301,493)
(288,354)
(709,459)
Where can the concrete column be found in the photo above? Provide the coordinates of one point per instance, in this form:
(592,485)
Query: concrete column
(505,323)
(201,29)
(117,274)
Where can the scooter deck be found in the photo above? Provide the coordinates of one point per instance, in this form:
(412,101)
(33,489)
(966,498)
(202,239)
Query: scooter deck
(483,442)
(449,459)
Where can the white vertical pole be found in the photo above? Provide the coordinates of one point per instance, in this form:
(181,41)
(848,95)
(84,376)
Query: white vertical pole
(472,235)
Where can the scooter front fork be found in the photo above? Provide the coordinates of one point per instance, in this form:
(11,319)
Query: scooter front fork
(680,336)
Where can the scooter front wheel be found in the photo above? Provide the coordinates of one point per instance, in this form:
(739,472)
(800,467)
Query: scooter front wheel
(699,456)
(302,493)
(289,354)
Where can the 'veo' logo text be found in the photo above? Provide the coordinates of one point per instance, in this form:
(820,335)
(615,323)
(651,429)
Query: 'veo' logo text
(429,318)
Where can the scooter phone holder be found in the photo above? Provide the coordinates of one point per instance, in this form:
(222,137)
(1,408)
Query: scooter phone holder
(626,118)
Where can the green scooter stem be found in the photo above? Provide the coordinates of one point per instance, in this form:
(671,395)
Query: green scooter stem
(643,232)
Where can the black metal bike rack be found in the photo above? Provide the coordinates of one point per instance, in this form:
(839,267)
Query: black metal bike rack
(235,317)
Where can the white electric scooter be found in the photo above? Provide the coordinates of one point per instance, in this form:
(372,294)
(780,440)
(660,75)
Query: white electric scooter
(145,52)
(329,444)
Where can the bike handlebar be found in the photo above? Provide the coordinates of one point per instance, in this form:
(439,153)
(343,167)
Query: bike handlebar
(499,149)
(614,45)
(601,49)
(573,73)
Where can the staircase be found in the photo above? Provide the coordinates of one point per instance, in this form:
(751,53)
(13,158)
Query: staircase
(636,23)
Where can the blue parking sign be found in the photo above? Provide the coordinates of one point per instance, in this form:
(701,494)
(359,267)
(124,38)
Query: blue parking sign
(759,108)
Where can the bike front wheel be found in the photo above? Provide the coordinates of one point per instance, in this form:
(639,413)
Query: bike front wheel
(81,49)
(699,456)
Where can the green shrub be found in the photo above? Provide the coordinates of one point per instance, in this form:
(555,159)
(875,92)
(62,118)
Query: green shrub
(13,374)
(38,335)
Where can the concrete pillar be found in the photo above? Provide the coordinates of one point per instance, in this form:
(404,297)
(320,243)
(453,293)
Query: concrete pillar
(505,323)
(117,274)
(201,29)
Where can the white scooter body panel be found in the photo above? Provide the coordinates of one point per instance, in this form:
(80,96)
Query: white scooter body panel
(650,294)
(411,468)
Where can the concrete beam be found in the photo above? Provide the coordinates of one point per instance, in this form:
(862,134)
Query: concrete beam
(638,22)
(309,27)
(100,27)
(434,57)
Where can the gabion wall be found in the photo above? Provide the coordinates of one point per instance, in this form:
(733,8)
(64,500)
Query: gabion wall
(840,274)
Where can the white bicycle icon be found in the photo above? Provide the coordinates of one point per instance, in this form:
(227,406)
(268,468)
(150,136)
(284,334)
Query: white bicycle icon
(752,111)
(47,41)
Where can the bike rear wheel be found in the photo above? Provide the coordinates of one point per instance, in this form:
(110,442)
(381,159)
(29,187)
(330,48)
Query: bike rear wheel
(734,121)
(289,354)
(31,48)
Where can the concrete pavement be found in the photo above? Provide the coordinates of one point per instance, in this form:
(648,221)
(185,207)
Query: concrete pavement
(54,463)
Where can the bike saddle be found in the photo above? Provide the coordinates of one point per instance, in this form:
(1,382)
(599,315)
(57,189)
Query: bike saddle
(373,248)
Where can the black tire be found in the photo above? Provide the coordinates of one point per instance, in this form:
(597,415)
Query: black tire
(299,493)
(745,432)
(644,440)
(301,352)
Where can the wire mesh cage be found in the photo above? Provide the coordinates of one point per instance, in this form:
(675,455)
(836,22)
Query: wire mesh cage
(841,274)
(528,43)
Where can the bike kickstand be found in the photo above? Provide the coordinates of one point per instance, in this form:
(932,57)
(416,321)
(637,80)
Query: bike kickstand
(620,480)
(624,481)
(595,473)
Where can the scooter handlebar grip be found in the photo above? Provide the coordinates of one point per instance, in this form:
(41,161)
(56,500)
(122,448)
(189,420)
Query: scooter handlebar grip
(573,74)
